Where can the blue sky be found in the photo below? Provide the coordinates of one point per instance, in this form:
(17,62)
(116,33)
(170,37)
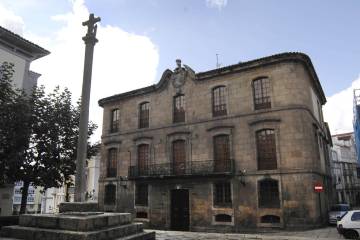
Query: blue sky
(196,30)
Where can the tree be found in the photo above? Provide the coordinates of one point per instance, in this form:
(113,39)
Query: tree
(38,144)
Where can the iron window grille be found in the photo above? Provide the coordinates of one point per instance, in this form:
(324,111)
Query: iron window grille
(112,160)
(269,194)
(179,109)
(261,91)
(222,194)
(115,120)
(144,115)
(141,195)
(219,101)
(266,149)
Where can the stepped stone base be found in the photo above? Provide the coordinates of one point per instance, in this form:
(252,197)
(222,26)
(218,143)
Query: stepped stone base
(77,226)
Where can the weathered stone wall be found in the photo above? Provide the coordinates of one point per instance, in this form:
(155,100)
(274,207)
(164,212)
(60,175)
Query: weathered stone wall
(292,115)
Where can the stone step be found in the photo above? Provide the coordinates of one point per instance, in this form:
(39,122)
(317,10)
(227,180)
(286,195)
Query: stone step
(32,233)
(140,236)
(75,221)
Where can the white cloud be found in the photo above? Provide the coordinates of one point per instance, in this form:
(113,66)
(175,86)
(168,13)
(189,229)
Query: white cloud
(11,21)
(122,61)
(219,4)
(338,111)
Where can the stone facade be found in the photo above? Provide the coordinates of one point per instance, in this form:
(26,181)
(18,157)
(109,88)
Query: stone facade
(300,141)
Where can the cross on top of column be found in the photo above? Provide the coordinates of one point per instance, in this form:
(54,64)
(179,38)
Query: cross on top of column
(91,32)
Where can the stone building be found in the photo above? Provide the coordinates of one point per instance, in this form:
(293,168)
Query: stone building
(230,149)
(344,169)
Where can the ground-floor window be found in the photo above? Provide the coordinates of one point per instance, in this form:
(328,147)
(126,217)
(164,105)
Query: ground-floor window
(268,193)
(270,219)
(141,194)
(222,194)
(110,194)
(222,218)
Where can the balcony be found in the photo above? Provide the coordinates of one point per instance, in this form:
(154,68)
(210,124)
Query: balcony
(171,170)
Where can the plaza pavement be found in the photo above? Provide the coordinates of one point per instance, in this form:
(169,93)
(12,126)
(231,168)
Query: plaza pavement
(328,233)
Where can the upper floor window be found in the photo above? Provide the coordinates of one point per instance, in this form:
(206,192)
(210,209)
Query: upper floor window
(219,101)
(222,194)
(221,153)
(143,155)
(115,120)
(179,156)
(179,109)
(144,115)
(261,91)
(266,149)
(111,166)
(269,194)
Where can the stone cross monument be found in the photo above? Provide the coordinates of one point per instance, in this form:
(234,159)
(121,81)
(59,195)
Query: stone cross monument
(90,40)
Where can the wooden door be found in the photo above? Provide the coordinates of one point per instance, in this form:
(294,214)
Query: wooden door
(180,210)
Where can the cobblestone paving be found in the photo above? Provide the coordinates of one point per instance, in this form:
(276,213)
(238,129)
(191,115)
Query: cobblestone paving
(328,233)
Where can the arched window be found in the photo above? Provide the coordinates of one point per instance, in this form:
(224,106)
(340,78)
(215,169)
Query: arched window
(266,149)
(179,156)
(221,153)
(115,120)
(144,115)
(143,155)
(261,91)
(268,193)
(219,101)
(112,160)
(110,194)
(270,219)
(179,109)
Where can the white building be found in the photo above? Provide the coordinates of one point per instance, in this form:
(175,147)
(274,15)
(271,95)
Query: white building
(33,199)
(21,52)
(343,169)
(92,178)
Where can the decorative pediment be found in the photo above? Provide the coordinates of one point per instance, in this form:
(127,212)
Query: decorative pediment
(181,75)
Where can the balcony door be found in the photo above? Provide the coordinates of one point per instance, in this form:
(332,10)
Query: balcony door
(221,153)
(143,159)
(179,157)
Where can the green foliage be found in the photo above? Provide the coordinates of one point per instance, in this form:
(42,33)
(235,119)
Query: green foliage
(38,134)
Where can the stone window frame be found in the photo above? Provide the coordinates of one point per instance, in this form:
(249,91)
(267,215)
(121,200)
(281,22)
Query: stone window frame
(226,103)
(141,118)
(104,164)
(266,123)
(177,118)
(114,124)
(216,131)
(181,135)
(270,90)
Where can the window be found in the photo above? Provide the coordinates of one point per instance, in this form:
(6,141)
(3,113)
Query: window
(110,194)
(219,101)
(270,219)
(222,218)
(261,91)
(141,195)
(115,115)
(111,166)
(266,149)
(221,153)
(144,115)
(179,109)
(143,159)
(141,215)
(355,216)
(179,156)
(269,194)
(222,194)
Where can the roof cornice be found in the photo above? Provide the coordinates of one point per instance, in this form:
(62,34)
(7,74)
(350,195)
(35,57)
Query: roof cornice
(240,67)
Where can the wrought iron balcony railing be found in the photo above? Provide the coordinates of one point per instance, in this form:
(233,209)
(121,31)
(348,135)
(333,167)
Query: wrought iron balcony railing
(181,169)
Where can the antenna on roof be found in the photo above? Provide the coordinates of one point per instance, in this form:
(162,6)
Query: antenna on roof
(218,65)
